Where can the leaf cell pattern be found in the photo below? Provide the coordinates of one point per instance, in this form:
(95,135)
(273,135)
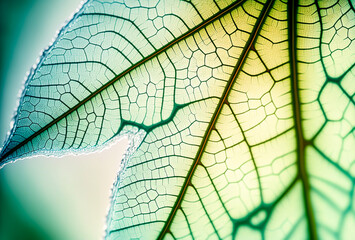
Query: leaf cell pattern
(247,109)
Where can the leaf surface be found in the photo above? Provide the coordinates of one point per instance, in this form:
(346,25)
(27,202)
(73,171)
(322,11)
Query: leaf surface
(246,108)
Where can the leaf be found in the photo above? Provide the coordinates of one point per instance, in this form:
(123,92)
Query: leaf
(246,110)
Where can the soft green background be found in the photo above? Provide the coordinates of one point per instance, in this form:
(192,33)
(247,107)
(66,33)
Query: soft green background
(42,197)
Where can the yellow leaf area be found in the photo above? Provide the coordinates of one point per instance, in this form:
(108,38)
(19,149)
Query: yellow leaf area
(247,178)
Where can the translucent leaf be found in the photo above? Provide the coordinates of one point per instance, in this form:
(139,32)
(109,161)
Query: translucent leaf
(245,113)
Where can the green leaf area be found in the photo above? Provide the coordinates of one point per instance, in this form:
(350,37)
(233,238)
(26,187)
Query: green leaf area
(246,110)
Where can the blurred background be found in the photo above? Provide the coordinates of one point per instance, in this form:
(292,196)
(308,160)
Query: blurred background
(46,197)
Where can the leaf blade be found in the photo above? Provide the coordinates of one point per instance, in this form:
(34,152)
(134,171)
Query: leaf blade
(234,112)
(5,152)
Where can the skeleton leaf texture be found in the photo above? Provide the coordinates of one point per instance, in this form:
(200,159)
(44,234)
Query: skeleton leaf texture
(246,110)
